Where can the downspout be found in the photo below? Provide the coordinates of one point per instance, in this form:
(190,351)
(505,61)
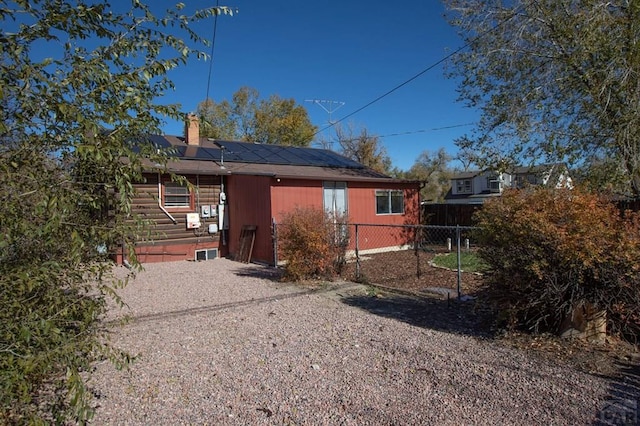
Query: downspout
(175,222)
(222,202)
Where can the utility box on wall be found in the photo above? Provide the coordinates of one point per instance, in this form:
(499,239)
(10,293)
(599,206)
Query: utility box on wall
(193,220)
(223,217)
(208,211)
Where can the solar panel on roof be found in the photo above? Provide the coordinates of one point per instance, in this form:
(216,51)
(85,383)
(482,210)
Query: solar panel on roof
(159,141)
(283,155)
(203,154)
(178,151)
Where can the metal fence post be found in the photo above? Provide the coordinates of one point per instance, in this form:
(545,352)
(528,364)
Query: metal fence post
(416,244)
(357,254)
(459,259)
(275,242)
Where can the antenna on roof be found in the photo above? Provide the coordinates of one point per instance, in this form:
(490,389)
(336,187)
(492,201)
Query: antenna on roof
(329,107)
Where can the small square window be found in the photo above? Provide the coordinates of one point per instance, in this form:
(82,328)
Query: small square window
(463,186)
(389,201)
(494,184)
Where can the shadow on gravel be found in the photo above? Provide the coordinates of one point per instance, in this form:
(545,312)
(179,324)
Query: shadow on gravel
(296,292)
(622,405)
(256,271)
(443,315)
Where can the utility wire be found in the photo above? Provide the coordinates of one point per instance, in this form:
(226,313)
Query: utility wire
(213,44)
(413,132)
(429,68)
(453,126)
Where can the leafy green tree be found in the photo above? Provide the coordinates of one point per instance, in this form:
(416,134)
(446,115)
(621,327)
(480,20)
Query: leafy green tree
(247,118)
(556,80)
(434,171)
(80,88)
(363,148)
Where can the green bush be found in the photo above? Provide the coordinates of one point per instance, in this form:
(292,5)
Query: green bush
(53,288)
(312,243)
(551,251)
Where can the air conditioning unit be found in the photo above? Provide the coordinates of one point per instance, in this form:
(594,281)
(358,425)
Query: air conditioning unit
(206,254)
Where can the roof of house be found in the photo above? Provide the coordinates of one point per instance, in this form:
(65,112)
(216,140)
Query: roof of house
(243,158)
(517,170)
(465,175)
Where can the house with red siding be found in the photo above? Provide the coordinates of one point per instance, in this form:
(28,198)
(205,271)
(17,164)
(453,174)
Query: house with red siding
(239,187)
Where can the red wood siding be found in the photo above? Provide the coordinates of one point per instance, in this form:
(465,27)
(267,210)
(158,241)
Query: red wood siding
(249,203)
(361,204)
(257,200)
(362,210)
(287,194)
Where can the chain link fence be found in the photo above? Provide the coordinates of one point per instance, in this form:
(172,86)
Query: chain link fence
(403,257)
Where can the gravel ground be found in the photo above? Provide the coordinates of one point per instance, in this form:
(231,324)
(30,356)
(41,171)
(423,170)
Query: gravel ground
(224,343)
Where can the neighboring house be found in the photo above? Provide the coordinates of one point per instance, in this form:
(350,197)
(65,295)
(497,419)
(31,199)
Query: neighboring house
(475,187)
(240,184)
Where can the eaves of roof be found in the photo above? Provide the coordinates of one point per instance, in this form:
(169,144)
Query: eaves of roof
(311,173)
(203,167)
(466,175)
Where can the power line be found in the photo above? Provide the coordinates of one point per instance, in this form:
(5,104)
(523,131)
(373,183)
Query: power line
(413,132)
(213,44)
(384,95)
(429,68)
(453,126)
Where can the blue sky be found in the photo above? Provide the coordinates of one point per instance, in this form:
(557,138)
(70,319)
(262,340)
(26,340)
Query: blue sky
(349,51)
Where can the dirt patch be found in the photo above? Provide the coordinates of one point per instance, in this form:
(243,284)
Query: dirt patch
(409,270)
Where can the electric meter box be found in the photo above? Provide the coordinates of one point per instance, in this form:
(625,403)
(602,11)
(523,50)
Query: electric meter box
(205,211)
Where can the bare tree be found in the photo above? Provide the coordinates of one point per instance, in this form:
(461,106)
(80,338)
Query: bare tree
(363,148)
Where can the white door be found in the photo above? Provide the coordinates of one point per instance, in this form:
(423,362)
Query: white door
(335,198)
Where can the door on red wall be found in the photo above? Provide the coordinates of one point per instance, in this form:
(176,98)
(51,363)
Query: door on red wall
(335,198)
(335,203)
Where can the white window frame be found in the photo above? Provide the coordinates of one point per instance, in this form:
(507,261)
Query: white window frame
(177,191)
(387,195)
(464,186)
(494,184)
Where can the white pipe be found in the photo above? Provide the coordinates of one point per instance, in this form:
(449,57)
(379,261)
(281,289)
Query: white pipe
(175,222)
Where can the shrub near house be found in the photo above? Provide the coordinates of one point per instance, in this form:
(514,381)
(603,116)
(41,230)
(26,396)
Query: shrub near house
(551,252)
(313,243)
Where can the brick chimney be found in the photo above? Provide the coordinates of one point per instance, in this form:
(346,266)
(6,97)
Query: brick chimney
(192,130)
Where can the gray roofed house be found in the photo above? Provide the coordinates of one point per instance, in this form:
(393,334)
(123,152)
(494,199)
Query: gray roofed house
(475,187)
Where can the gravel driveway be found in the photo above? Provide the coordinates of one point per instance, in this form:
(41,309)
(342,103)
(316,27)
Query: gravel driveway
(219,343)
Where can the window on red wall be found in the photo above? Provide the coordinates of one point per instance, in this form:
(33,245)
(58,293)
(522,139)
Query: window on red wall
(389,201)
(176,196)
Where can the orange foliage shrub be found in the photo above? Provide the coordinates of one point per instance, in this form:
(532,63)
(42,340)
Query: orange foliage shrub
(551,250)
(312,243)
